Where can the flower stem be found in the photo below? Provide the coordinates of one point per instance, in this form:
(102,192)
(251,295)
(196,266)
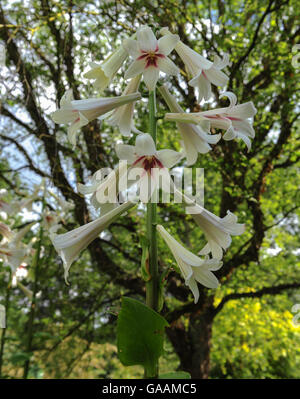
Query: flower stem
(152,286)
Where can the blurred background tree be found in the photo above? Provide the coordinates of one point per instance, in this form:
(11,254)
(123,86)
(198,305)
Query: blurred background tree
(243,329)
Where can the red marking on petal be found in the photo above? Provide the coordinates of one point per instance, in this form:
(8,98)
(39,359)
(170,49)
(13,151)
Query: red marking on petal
(214,117)
(141,57)
(204,74)
(233,119)
(138,160)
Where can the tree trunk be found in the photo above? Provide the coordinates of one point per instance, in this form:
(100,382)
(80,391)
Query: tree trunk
(193,345)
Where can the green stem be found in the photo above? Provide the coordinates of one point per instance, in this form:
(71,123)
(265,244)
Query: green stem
(152,287)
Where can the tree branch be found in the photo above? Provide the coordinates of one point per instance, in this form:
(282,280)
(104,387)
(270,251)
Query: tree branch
(257,294)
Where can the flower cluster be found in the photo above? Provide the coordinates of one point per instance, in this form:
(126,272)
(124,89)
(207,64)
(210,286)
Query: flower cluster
(149,57)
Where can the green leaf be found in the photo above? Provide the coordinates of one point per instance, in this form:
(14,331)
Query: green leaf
(140,334)
(175,375)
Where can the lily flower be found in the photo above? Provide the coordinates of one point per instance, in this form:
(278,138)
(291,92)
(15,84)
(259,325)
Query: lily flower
(191,266)
(203,72)
(104,73)
(195,138)
(81,112)
(218,231)
(16,206)
(12,256)
(152,163)
(123,116)
(49,219)
(70,244)
(150,56)
(13,252)
(233,118)
(100,184)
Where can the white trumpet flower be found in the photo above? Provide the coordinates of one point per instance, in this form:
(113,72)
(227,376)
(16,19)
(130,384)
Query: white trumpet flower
(16,206)
(123,116)
(104,73)
(70,244)
(203,72)
(100,184)
(13,252)
(12,256)
(218,231)
(152,163)
(191,266)
(195,138)
(49,219)
(150,56)
(233,118)
(81,112)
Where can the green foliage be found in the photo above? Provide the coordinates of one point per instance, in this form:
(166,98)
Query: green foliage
(140,333)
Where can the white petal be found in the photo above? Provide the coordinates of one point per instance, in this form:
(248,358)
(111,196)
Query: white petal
(203,85)
(221,63)
(167,43)
(192,284)
(170,99)
(126,152)
(205,277)
(230,134)
(244,127)
(245,139)
(113,63)
(135,69)
(144,145)
(231,96)
(178,250)
(193,61)
(93,73)
(95,107)
(64,115)
(167,66)
(217,77)
(75,126)
(151,75)
(168,157)
(216,250)
(146,39)
(66,99)
(205,250)
(212,264)
(243,111)
(131,46)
